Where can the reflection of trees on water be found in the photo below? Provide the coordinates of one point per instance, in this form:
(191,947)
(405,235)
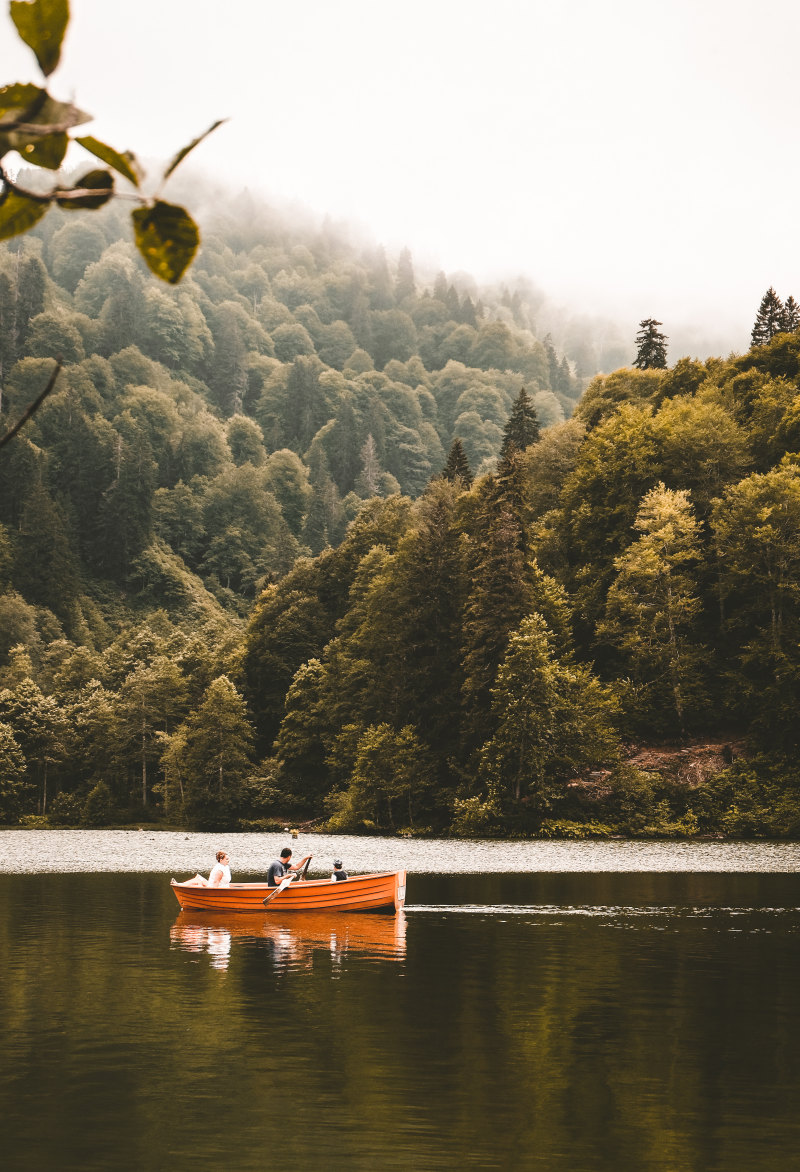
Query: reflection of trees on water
(292,939)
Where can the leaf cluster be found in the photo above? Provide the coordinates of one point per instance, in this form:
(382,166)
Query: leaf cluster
(38,127)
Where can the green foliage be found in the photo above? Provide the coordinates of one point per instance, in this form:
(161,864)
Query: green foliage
(457,466)
(575,831)
(756,528)
(98,809)
(522,428)
(37,127)
(651,346)
(391,781)
(769,319)
(12,775)
(653,607)
(209,756)
(67,809)
(552,720)
(167,237)
(759,798)
(41,24)
(474,818)
(214,490)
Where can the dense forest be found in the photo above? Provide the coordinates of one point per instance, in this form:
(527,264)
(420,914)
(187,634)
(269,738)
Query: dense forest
(314,536)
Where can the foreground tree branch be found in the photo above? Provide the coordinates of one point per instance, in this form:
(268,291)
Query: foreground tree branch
(34,406)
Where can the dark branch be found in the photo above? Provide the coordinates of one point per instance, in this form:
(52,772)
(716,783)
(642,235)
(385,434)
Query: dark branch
(34,407)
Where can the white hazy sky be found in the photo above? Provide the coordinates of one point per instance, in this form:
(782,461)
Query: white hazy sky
(631,157)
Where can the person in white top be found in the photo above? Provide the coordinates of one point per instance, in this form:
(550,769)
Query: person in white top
(220,875)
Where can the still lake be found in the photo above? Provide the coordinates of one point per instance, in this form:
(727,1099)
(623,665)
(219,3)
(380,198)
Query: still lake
(558,1006)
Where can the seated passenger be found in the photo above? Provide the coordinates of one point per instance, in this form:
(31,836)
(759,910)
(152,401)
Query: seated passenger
(220,875)
(338,873)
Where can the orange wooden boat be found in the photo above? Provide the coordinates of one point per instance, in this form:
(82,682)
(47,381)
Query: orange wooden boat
(385,892)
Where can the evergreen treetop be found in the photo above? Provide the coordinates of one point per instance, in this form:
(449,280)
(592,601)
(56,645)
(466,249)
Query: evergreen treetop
(522,428)
(769,319)
(791,316)
(457,465)
(651,346)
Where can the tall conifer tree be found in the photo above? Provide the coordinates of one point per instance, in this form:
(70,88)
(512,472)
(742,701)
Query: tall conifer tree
(791,316)
(769,319)
(405,286)
(651,346)
(457,464)
(499,598)
(522,428)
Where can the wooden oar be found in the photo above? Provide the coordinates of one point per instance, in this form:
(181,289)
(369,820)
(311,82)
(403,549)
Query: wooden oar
(278,889)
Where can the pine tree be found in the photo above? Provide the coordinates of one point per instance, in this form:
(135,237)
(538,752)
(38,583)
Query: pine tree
(564,384)
(791,316)
(453,303)
(651,346)
(8,327)
(552,361)
(457,464)
(769,320)
(368,483)
(499,598)
(551,719)
(468,316)
(31,286)
(522,428)
(212,752)
(405,285)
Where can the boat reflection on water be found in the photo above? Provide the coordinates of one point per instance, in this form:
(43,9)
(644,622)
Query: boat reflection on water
(294,937)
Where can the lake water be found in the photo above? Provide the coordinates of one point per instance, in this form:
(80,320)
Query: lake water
(570,1007)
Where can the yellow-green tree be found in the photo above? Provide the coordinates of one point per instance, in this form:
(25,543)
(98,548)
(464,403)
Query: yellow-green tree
(553,718)
(653,605)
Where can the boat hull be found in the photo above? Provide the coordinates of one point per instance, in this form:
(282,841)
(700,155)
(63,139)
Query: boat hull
(360,893)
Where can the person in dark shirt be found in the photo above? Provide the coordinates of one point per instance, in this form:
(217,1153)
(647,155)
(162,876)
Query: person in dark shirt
(338,873)
(281,868)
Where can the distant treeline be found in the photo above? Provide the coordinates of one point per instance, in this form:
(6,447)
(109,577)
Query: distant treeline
(468,596)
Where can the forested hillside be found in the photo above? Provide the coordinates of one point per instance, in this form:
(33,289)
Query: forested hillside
(244,418)
(291,540)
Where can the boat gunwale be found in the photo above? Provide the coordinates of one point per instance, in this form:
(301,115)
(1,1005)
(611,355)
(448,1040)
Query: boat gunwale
(305,882)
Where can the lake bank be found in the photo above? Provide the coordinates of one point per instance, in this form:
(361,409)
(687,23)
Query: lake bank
(182,852)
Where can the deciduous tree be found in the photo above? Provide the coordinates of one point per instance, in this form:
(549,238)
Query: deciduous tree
(653,606)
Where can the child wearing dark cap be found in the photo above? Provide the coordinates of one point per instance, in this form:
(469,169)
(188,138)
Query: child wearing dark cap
(338,873)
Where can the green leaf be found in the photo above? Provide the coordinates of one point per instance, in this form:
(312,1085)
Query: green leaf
(167,237)
(18,213)
(28,114)
(100,181)
(46,152)
(181,155)
(125,165)
(41,24)
(18,97)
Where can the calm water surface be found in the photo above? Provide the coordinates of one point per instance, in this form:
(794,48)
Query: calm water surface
(629,1017)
